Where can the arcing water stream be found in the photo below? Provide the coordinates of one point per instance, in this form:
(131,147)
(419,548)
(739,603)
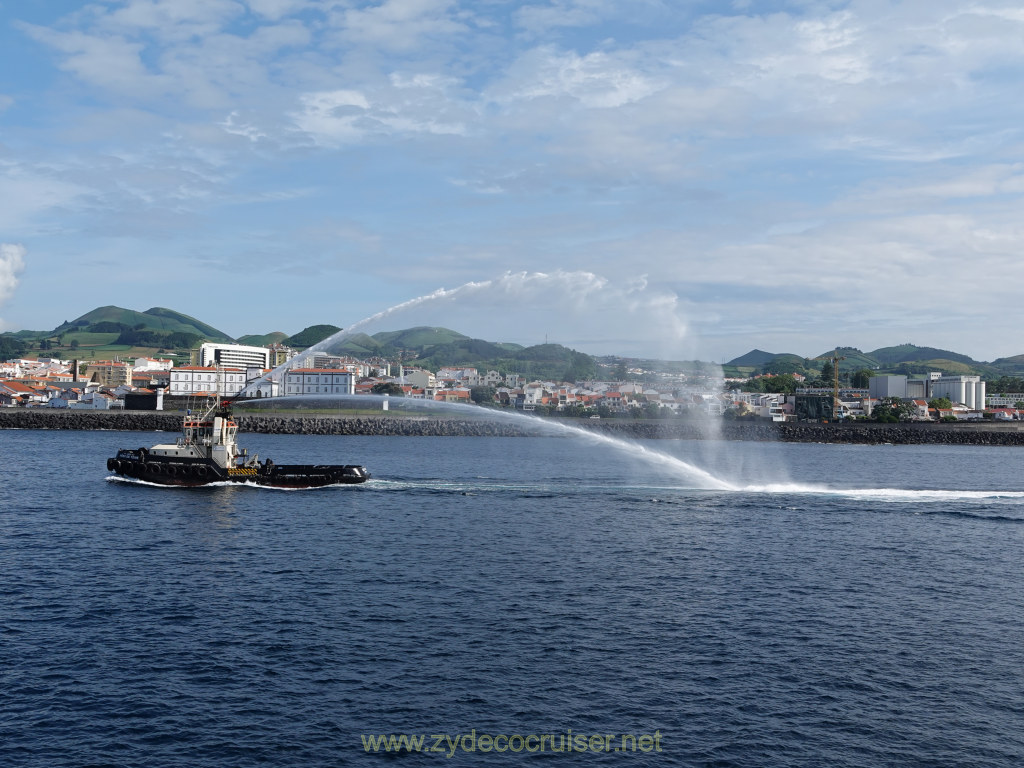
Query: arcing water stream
(584,291)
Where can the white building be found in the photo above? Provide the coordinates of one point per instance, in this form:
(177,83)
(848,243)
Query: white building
(1004,400)
(195,379)
(336,363)
(148,364)
(466,377)
(95,401)
(236,355)
(420,378)
(259,384)
(881,387)
(318,381)
(969,390)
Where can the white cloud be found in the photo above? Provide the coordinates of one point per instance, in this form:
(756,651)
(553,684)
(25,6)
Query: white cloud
(407,105)
(403,25)
(112,63)
(277,9)
(172,19)
(28,196)
(597,80)
(772,159)
(540,19)
(12,263)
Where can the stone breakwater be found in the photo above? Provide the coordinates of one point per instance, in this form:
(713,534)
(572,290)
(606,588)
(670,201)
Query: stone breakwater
(985,433)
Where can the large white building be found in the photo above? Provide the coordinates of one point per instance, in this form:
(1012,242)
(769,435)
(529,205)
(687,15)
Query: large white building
(237,355)
(969,390)
(318,381)
(194,379)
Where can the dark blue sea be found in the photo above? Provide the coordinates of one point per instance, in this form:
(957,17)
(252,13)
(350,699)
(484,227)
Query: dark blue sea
(800,605)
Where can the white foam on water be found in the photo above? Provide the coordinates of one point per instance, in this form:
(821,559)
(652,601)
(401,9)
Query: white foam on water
(883,494)
(224,484)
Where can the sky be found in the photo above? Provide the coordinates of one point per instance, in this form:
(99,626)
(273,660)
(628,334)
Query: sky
(677,179)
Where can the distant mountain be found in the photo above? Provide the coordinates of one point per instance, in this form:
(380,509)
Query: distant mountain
(433,348)
(902,359)
(314,334)
(159,320)
(853,359)
(1010,366)
(411,342)
(358,345)
(420,338)
(754,357)
(113,330)
(909,353)
(265,340)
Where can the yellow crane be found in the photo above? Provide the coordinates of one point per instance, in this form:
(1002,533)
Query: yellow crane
(835,384)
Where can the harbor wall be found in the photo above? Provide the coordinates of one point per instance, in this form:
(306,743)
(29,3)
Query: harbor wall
(985,433)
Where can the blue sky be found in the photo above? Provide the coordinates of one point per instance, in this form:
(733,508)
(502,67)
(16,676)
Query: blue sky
(679,179)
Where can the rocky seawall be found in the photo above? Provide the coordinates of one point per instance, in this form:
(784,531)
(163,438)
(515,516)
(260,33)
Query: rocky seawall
(985,433)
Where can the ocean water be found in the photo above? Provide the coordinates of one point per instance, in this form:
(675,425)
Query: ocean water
(808,605)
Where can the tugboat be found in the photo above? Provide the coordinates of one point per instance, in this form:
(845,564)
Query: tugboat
(207,452)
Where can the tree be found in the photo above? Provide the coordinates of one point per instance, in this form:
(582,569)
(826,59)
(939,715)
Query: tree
(780,366)
(828,371)
(11,346)
(862,378)
(781,384)
(940,403)
(482,395)
(74,343)
(387,388)
(891,410)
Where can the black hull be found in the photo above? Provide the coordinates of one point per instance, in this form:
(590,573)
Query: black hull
(194,473)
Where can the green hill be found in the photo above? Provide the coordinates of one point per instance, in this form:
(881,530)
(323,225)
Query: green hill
(314,334)
(359,345)
(755,358)
(900,359)
(855,360)
(422,342)
(158,320)
(421,338)
(264,340)
(113,330)
(910,353)
(433,348)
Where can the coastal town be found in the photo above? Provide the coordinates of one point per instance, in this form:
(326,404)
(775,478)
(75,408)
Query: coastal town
(276,371)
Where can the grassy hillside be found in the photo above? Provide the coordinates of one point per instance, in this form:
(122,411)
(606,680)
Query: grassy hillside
(909,353)
(420,338)
(314,334)
(433,348)
(906,359)
(855,359)
(755,358)
(159,320)
(264,340)
(360,345)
